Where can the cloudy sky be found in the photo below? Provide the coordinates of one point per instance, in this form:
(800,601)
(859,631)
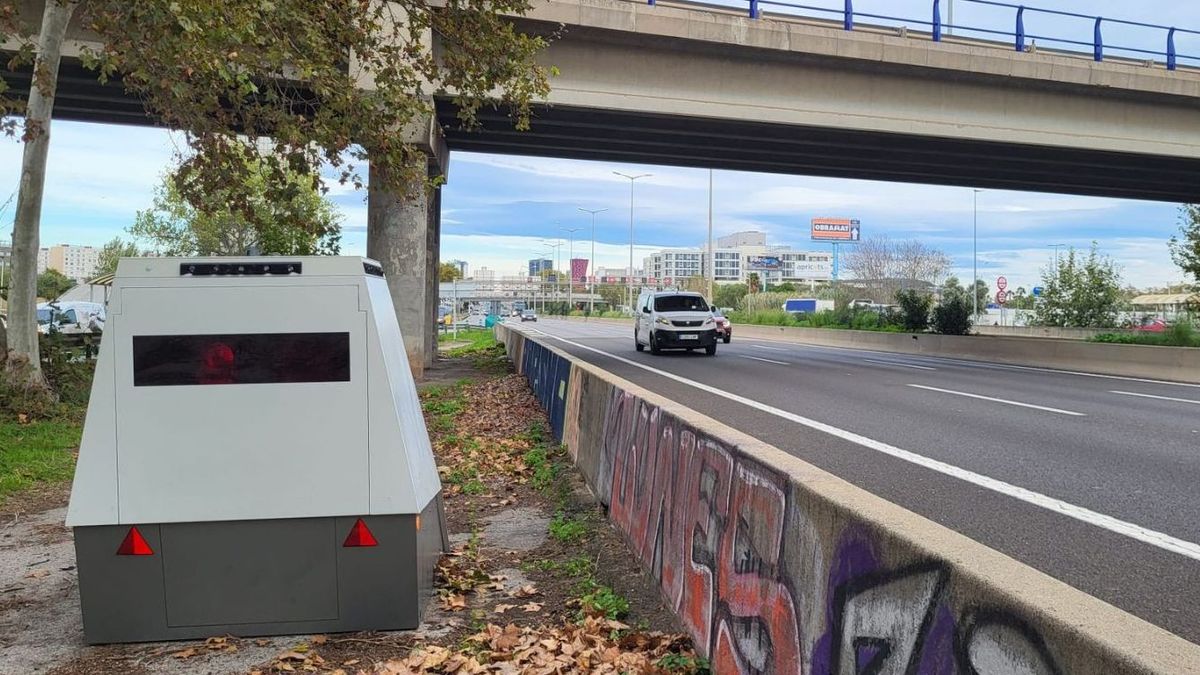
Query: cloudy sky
(498,211)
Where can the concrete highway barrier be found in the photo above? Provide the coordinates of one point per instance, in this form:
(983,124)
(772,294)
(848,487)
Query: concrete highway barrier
(775,566)
(1176,364)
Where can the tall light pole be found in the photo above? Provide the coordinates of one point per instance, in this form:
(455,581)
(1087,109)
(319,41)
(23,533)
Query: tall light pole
(712,262)
(950,17)
(570,266)
(632,180)
(557,246)
(1056,247)
(975,256)
(592,261)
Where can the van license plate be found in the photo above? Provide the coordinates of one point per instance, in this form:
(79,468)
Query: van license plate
(689,337)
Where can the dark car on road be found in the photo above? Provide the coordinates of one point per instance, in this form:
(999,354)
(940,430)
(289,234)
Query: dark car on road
(528,315)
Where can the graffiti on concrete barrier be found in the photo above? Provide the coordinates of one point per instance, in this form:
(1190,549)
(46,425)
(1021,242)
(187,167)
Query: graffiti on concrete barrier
(749,574)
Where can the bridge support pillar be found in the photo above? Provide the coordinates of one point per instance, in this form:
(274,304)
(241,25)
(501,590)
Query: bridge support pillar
(404,235)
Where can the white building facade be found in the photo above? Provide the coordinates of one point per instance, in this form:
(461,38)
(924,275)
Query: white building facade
(736,257)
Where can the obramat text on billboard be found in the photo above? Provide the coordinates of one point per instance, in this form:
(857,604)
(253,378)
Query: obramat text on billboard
(835,229)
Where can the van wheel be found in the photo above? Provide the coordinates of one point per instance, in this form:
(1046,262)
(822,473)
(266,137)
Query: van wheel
(637,343)
(711,350)
(727,338)
(654,344)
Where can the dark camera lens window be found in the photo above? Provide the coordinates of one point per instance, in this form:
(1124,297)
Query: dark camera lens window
(257,358)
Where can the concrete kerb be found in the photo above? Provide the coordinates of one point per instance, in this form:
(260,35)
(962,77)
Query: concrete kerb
(1172,364)
(745,537)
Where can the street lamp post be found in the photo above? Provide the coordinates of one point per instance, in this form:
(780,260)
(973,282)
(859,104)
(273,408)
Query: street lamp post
(632,179)
(1056,247)
(975,256)
(570,266)
(712,263)
(592,261)
(557,246)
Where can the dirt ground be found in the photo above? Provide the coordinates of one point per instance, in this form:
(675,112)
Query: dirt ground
(537,580)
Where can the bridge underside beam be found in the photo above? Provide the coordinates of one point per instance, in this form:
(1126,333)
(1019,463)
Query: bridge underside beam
(579,133)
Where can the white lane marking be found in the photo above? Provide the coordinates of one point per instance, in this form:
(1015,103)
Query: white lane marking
(1161,398)
(899,365)
(1000,400)
(774,349)
(778,363)
(1157,539)
(979,364)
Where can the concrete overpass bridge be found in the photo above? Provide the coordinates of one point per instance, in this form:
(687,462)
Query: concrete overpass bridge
(690,84)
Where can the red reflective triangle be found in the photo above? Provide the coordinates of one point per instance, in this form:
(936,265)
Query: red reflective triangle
(360,535)
(134,544)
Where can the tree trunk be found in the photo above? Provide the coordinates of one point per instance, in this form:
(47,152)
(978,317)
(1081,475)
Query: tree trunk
(22,293)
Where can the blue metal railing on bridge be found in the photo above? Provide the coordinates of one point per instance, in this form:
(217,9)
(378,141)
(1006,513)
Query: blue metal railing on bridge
(1021,40)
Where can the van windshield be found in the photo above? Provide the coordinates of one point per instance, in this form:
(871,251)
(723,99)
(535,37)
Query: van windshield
(680,303)
(44,315)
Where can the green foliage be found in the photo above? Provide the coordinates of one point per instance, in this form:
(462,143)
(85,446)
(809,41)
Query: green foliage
(914,309)
(1185,247)
(449,272)
(284,215)
(953,315)
(112,252)
(1080,292)
(544,470)
(235,72)
(846,318)
(34,453)
(565,529)
(729,295)
(1181,334)
(52,283)
(688,665)
(599,599)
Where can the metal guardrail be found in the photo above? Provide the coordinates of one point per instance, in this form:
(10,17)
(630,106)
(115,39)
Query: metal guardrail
(1020,39)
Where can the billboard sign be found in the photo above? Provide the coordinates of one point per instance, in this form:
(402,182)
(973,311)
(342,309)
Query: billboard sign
(578,269)
(836,229)
(764,262)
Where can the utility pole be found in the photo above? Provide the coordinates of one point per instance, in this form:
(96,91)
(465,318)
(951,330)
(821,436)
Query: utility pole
(632,180)
(592,262)
(950,17)
(975,255)
(571,267)
(712,262)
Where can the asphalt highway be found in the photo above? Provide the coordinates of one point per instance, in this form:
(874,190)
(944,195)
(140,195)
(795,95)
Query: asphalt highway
(1094,480)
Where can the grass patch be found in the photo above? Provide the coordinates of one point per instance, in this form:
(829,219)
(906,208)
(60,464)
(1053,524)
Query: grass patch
(600,600)
(476,339)
(1177,335)
(567,529)
(683,663)
(36,453)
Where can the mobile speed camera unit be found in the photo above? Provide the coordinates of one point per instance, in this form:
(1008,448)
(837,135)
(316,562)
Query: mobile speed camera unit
(254,459)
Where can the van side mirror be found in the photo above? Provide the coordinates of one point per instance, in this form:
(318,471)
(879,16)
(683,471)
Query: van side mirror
(645,310)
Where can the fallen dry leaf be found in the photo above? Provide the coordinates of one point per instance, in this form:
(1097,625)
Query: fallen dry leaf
(37,574)
(319,639)
(532,607)
(524,591)
(185,653)
(454,602)
(502,608)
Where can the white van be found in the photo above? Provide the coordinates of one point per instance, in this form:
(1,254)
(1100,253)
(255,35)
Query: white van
(674,320)
(70,318)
